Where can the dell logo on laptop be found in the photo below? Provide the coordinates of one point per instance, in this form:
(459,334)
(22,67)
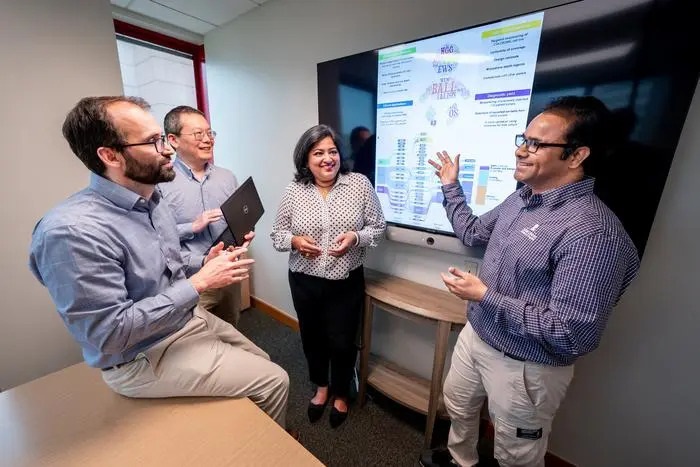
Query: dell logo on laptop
(245,209)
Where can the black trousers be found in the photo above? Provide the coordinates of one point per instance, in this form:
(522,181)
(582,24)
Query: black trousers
(329,314)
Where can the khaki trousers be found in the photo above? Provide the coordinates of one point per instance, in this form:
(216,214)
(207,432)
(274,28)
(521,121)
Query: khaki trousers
(207,357)
(224,303)
(523,398)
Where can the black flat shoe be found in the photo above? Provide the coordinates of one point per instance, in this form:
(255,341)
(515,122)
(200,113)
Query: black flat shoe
(315,411)
(337,417)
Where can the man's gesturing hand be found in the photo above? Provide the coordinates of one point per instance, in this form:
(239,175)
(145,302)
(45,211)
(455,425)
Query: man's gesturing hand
(446,170)
(221,270)
(464,285)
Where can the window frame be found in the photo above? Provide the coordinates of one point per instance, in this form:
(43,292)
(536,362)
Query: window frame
(194,50)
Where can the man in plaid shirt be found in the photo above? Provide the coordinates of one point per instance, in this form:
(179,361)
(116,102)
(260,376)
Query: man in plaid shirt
(557,261)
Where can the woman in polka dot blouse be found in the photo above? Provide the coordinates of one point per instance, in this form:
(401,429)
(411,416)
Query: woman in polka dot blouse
(326,220)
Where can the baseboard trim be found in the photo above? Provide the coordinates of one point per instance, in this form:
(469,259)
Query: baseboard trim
(274,312)
(552,460)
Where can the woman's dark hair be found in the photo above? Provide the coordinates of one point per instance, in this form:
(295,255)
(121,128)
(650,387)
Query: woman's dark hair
(88,126)
(589,123)
(308,140)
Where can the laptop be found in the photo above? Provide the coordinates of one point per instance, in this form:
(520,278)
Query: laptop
(242,210)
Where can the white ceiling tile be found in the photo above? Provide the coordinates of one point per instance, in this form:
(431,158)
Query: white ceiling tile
(217,12)
(155,25)
(121,3)
(167,15)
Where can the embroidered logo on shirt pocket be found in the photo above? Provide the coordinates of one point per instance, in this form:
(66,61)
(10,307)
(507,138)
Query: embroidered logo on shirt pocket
(530,232)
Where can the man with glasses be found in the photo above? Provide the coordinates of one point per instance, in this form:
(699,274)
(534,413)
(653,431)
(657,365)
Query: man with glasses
(557,260)
(196,196)
(110,258)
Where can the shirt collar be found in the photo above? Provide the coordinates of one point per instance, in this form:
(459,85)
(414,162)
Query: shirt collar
(179,163)
(343,179)
(119,195)
(558,195)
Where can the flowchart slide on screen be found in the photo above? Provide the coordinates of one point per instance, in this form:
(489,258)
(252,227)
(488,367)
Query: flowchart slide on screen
(466,92)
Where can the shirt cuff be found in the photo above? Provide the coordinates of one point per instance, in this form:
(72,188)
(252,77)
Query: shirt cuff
(196,263)
(287,242)
(185,231)
(357,238)
(183,295)
(507,310)
(450,192)
(451,188)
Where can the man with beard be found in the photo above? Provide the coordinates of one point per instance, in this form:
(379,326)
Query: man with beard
(110,258)
(196,196)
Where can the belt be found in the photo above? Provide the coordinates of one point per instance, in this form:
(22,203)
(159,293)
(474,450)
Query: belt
(514,357)
(118,365)
(510,355)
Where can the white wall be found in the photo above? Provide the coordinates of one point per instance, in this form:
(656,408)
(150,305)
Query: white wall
(634,402)
(52,54)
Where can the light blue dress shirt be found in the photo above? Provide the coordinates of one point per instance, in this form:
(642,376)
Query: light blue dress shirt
(189,197)
(111,262)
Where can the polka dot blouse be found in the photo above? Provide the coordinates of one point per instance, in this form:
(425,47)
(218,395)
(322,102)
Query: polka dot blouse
(350,206)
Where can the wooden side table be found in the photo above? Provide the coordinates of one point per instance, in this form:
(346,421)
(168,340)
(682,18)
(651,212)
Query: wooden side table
(422,304)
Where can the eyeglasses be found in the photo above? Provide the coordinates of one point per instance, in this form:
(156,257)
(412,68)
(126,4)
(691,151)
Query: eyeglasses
(532,145)
(199,135)
(158,143)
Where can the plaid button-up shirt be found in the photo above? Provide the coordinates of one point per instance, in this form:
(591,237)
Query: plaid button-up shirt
(555,265)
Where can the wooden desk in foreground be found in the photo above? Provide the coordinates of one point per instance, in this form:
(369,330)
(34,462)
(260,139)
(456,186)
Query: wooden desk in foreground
(71,418)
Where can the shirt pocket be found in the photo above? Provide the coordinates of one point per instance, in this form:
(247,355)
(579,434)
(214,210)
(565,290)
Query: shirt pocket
(525,263)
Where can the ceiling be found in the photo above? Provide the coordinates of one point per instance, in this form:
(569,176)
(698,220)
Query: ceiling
(199,16)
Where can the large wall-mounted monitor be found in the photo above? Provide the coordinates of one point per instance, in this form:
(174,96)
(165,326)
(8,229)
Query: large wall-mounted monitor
(468,92)
(471,91)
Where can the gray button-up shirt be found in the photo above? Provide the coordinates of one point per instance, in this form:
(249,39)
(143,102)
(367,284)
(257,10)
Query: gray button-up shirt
(111,262)
(189,197)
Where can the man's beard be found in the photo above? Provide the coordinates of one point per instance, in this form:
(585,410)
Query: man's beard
(147,174)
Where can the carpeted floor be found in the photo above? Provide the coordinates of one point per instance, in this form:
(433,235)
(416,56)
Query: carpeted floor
(380,433)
